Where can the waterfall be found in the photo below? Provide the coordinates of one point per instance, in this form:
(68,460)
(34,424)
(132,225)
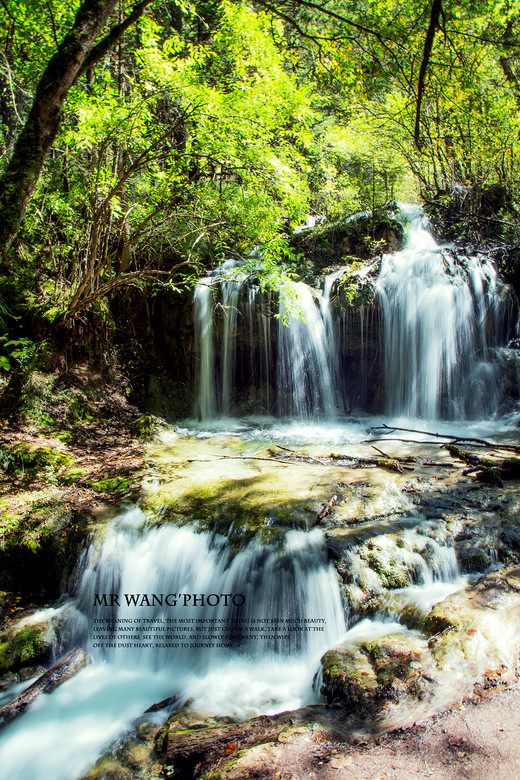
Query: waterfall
(440,316)
(304,376)
(256,656)
(203,319)
(432,346)
(290,582)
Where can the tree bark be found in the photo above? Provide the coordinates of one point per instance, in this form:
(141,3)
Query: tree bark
(435,14)
(77,51)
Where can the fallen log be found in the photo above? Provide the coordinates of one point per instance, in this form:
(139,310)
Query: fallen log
(488,469)
(60,672)
(193,753)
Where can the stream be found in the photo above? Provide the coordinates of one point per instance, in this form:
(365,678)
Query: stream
(231,535)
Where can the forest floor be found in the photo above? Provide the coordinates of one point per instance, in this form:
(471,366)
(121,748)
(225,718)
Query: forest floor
(71,448)
(478,741)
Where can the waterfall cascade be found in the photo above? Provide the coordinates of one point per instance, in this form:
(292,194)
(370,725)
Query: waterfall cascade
(442,317)
(155,603)
(293,580)
(431,345)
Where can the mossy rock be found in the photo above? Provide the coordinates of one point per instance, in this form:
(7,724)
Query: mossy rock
(354,289)
(66,437)
(80,410)
(357,238)
(393,655)
(71,476)
(112,485)
(238,509)
(33,458)
(145,427)
(21,646)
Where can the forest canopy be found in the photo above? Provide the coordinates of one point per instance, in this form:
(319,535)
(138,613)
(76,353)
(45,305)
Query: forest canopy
(181,133)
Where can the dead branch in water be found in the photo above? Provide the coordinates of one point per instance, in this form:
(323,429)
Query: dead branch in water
(448,437)
(327,508)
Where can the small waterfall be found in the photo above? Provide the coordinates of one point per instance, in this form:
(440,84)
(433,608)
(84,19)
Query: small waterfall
(443,321)
(291,583)
(203,319)
(331,335)
(304,358)
(230,297)
(440,316)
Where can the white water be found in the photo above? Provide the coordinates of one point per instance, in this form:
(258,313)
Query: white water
(62,734)
(304,359)
(203,319)
(444,323)
(439,318)
(289,582)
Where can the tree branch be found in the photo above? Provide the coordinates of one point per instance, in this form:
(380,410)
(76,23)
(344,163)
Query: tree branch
(111,38)
(435,15)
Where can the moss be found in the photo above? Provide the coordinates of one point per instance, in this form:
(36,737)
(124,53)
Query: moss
(111,485)
(145,427)
(240,509)
(81,410)
(64,436)
(33,458)
(71,476)
(18,647)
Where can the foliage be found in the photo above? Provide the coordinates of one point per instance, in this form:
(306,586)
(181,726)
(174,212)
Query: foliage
(215,127)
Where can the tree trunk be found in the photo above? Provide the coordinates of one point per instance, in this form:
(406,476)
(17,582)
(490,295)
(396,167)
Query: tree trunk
(77,51)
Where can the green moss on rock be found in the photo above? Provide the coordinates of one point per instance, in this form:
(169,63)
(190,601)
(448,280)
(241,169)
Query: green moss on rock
(71,476)
(32,458)
(20,646)
(112,485)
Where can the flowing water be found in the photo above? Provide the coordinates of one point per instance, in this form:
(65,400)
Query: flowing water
(232,539)
(433,345)
(442,315)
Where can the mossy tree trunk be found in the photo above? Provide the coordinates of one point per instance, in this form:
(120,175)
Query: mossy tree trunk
(77,52)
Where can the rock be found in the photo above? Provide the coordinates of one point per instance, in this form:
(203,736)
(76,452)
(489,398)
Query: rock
(71,476)
(31,458)
(28,672)
(346,241)
(112,485)
(9,679)
(470,637)
(27,641)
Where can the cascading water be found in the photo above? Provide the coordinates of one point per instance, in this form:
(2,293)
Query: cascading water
(203,318)
(443,321)
(440,316)
(304,377)
(292,580)
(258,655)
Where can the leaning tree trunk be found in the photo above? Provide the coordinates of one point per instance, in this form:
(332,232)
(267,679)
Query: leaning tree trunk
(77,51)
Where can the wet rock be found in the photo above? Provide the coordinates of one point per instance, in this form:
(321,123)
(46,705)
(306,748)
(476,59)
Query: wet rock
(390,561)
(9,679)
(473,558)
(468,638)
(511,538)
(28,672)
(28,641)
